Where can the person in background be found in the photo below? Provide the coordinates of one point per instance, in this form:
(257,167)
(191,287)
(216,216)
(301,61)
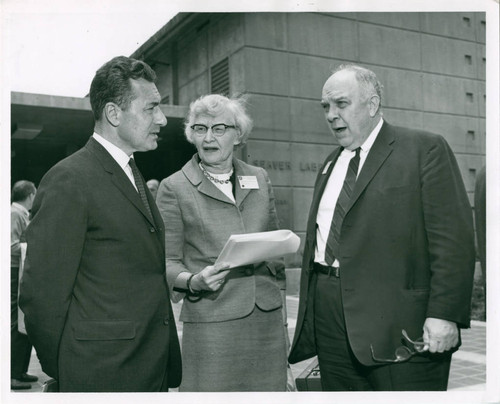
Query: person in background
(23,194)
(234,333)
(94,291)
(389,252)
(153,185)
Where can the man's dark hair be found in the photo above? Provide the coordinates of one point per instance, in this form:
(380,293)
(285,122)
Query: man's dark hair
(111,83)
(21,190)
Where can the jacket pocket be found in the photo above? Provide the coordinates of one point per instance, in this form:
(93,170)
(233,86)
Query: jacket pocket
(104,330)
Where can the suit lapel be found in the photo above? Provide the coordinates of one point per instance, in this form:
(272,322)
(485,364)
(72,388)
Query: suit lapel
(380,150)
(240,193)
(194,174)
(118,177)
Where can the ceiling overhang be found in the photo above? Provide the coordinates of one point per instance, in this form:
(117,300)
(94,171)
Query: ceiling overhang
(38,118)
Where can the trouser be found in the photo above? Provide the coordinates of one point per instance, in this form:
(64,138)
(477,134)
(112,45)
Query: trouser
(339,368)
(20,346)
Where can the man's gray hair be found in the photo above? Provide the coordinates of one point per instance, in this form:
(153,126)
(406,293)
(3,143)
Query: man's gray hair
(366,78)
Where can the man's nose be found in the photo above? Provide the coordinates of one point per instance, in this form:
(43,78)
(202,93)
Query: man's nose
(332,114)
(161,119)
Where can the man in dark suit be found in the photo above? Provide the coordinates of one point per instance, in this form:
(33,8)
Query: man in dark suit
(389,247)
(94,291)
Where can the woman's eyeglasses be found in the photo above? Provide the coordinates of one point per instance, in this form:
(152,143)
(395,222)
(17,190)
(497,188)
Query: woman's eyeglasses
(403,352)
(217,130)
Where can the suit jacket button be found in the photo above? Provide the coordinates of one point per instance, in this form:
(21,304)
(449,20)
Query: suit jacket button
(152,230)
(241,208)
(165,321)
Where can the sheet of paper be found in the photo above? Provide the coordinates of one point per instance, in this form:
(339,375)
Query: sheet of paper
(250,248)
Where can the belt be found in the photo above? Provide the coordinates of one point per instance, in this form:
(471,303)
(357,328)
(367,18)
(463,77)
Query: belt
(323,269)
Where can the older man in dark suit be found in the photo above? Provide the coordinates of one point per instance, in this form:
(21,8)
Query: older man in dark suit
(94,292)
(389,248)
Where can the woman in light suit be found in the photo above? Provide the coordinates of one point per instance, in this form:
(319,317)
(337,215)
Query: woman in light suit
(234,333)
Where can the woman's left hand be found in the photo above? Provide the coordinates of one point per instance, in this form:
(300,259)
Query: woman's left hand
(210,278)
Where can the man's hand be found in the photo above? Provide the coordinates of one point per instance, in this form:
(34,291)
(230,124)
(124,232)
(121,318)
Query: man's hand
(439,335)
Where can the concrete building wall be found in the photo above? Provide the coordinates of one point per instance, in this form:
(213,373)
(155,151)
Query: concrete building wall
(432,66)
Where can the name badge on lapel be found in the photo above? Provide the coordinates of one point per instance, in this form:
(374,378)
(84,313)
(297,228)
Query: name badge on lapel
(248,182)
(325,170)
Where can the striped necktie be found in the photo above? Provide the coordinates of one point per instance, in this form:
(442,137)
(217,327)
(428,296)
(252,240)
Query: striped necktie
(139,183)
(332,244)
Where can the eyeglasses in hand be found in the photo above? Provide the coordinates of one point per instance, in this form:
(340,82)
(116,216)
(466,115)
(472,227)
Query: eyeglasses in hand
(403,352)
(217,130)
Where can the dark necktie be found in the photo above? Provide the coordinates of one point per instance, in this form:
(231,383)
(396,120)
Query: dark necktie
(139,183)
(332,244)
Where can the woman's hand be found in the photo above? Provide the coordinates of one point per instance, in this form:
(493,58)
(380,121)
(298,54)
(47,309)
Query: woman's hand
(210,278)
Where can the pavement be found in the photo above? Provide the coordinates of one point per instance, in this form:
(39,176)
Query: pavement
(468,366)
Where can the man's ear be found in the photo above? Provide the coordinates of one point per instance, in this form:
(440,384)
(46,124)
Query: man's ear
(112,113)
(374,105)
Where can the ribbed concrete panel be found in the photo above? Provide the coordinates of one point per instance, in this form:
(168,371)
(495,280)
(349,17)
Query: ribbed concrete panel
(225,36)
(480,23)
(284,208)
(164,80)
(389,46)
(456,25)
(271,116)
(274,157)
(192,57)
(482,131)
(450,95)
(266,30)
(449,56)
(408,21)
(402,88)
(237,71)
(306,162)
(308,122)
(266,72)
(481,90)
(331,37)
(475,140)
(469,167)
(194,89)
(398,117)
(302,198)
(462,133)
(481,61)
(308,75)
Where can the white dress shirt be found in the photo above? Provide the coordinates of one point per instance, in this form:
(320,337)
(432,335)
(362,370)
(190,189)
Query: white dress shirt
(119,155)
(24,211)
(331,193)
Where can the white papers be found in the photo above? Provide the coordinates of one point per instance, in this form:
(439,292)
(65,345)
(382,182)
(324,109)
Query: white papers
(250,248)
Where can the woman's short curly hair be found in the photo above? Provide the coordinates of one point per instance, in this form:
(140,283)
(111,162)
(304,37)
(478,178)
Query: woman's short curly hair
(216,104)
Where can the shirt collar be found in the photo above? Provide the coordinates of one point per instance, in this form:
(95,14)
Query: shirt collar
(21,208)
(118,154)
(366,146)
